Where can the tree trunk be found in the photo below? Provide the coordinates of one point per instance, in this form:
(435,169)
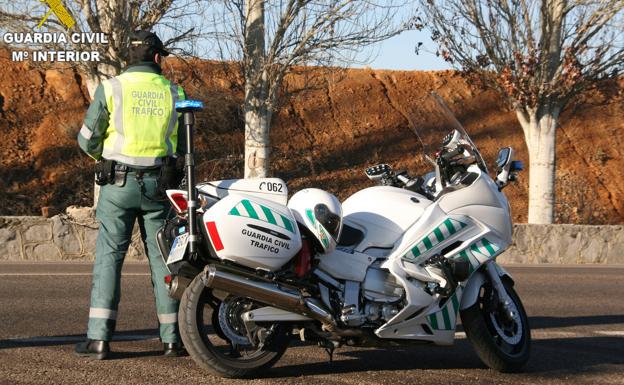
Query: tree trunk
(257,115)
(540,134)
(257,124)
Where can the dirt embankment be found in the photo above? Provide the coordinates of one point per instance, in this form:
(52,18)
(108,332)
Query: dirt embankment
(324,136)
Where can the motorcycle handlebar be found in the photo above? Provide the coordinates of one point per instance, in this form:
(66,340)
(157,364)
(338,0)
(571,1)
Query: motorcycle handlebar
(451,154)
(403,178)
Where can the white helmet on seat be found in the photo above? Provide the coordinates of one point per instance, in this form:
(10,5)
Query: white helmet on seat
(321,213)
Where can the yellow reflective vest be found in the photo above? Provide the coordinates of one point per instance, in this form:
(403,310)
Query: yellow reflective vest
(143,123)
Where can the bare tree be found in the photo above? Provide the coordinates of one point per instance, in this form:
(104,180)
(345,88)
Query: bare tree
(539,54)
(269,37)
(178,21)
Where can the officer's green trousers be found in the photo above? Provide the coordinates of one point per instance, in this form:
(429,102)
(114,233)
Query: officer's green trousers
(117,210)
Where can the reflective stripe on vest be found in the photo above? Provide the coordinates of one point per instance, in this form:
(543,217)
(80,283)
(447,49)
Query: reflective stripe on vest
(143,121)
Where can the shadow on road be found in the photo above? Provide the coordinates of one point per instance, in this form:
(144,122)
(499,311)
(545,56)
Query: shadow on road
(558,322)
(459,356)
(42,341)
(117,355)
(549,358)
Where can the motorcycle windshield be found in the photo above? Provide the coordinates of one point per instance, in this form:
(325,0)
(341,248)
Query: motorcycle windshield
(431,120)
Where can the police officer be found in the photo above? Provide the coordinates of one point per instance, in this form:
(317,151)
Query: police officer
(131,129)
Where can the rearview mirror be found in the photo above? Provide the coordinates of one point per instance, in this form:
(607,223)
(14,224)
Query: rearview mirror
(504,157)
(503,163)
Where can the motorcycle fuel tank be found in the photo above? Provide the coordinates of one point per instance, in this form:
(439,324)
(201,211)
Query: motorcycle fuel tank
(384,213)
(251,231)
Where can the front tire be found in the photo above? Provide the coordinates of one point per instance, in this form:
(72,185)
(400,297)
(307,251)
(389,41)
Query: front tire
(216,339)
(501,342)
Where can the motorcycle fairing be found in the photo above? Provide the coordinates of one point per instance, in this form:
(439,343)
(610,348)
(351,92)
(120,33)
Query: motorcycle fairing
(477,253)
(432,317)
(481,200)
(471,238)
(442,232)
(346,264)
(446,317)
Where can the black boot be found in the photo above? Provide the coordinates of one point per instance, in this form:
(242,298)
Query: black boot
(93,349)
(175,349)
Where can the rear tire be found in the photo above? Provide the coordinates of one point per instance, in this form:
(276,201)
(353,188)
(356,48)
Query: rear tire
(208,345)
(502,344)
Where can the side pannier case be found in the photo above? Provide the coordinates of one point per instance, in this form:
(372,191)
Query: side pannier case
(252,232)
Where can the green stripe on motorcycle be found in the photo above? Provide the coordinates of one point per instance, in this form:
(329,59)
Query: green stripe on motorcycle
(488,246)
(269,215)
(438,234)
(250,210)
(447,319)
(433,321)
(455,303)
(427,243)
(449,226)
(287,223)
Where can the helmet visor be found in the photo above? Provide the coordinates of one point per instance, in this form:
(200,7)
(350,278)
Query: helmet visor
(330,221)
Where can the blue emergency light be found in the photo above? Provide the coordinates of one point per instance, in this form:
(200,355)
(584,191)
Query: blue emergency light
(189,105)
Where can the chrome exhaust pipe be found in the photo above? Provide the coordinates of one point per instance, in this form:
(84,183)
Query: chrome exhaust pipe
(177,286)
(243,284)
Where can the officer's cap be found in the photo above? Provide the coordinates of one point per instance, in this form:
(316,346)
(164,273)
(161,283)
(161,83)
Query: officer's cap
(145,40)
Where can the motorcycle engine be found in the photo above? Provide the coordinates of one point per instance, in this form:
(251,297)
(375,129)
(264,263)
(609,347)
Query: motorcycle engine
(381,286)
(374,301)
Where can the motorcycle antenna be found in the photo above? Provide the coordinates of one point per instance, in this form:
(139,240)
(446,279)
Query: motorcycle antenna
(187,108)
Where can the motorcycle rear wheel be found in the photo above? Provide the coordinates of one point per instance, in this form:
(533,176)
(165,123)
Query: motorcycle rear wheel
(501,343)
(215,337)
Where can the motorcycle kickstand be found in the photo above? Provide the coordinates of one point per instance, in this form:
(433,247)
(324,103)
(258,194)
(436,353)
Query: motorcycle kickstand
(329,347)
(330,353)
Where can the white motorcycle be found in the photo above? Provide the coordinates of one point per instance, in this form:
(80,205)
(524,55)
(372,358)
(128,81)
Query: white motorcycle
(393,264)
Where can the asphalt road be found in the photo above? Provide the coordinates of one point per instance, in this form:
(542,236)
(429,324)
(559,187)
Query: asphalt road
(576,314)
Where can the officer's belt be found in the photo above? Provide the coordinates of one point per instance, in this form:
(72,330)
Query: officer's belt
(138,171)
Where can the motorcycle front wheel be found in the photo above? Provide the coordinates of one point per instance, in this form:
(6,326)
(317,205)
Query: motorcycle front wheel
(500,337)
(216,338)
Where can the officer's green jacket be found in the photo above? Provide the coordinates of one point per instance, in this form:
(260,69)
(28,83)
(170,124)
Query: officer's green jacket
(139,126)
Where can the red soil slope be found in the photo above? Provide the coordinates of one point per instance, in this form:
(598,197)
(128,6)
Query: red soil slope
(324,136)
